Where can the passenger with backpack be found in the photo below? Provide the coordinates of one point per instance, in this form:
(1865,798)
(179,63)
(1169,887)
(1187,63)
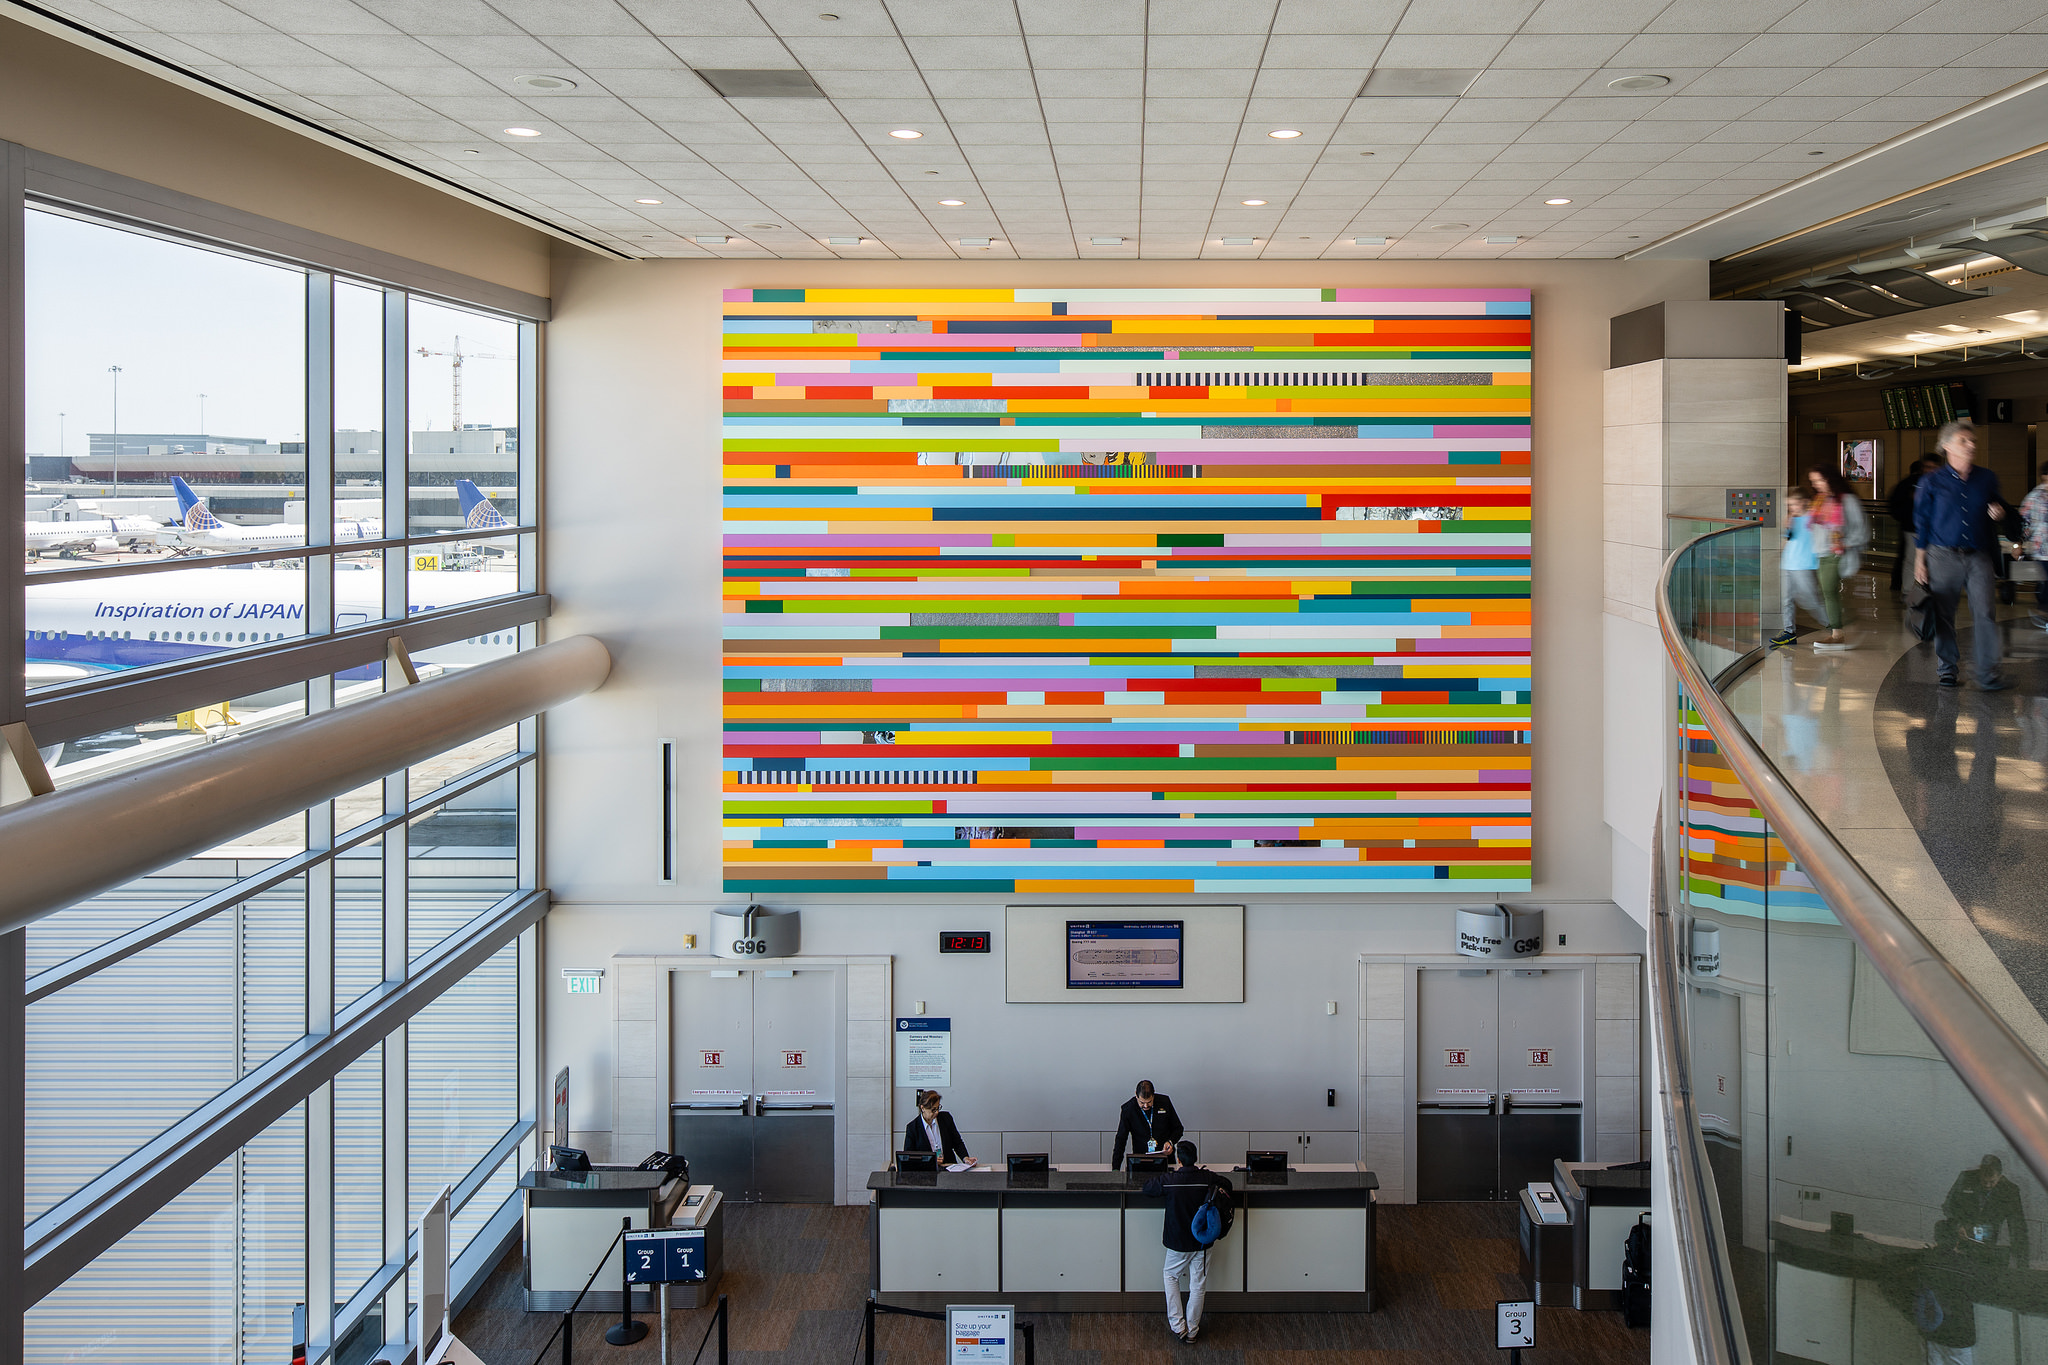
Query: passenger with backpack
(1199,1213)
(1942,1305)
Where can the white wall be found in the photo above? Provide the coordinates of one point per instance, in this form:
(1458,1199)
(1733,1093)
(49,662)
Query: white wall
(1263,1065)
(632,488)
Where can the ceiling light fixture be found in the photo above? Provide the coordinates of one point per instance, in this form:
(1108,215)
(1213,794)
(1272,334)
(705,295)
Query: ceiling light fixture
(1252,203)
(1284,133)
(981,242)
(549,83)
(1502,241)
(710,241)
(1557,201)
(2026,317)
(1238,241)
(844,241)
(762,227)
(953,203)
(907,134)
(647,201)
(1448,227)
(1817,153)
(830,18)
(523,132)
(472,151)
(1368,241)
(1105,241)
(1643,82)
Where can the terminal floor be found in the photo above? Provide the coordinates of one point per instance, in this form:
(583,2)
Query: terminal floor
(1941,793)
(797,1276)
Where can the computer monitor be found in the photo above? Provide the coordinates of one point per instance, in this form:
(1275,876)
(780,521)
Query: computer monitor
(1265,1161)
(569,1158)
(1149,1161)
(1030,1161)
(917,1161)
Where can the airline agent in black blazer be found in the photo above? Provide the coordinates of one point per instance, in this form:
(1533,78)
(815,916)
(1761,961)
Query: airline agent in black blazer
(917,1134)
(1148,1117)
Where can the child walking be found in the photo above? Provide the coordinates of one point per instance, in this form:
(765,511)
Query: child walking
(1799,569)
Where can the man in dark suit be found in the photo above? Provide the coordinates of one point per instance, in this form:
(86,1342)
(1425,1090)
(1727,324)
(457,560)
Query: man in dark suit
(1148,1124)
(1185,1189)
(933,1130)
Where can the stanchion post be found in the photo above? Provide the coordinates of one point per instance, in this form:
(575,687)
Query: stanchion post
(627,1331)
(871,1332)
(723,1318)
(1030,1345)
(664,1322)
(568,1331)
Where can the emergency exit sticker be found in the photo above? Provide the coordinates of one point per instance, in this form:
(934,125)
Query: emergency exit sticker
(1456,1056)
(714,1059)
(792,1060)
(1539,1056)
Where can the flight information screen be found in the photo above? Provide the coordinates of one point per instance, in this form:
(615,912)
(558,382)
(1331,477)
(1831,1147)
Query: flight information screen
(1123,953)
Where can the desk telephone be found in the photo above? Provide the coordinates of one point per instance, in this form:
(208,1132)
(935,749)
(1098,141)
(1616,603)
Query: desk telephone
(677,1165)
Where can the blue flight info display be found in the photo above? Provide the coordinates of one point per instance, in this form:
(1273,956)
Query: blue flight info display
(1123,953)
(665,1256)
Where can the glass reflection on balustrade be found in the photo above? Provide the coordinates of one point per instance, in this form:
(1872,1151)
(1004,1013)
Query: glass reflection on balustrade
(1870,1208)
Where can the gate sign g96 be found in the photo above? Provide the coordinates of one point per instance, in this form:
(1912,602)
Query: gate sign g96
(756,932)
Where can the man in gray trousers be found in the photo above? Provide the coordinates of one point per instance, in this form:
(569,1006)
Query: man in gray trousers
(1955,509)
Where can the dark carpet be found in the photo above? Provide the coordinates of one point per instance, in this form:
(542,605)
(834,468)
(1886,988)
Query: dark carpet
(797,1277)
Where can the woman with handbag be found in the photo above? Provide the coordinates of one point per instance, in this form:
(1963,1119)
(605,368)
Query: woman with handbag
(1840,534)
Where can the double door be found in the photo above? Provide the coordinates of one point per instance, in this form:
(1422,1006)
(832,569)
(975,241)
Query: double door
(753,1064)
(1500,1078)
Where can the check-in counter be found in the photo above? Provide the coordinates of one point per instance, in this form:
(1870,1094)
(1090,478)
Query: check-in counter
(1089,1240)
(572,1217)
(1604,1203)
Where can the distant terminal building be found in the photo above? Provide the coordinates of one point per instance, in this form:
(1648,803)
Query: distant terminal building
(245,478)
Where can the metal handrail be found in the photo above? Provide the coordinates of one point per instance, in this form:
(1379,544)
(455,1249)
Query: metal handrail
(2002,1072)
(1718,1338)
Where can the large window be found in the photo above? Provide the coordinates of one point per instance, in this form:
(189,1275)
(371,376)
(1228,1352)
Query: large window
(238,466)
(209,470)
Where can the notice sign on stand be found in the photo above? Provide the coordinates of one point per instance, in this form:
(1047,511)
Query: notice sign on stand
(980,1334)
(1514,1326)
(924,1052)
(665,1256)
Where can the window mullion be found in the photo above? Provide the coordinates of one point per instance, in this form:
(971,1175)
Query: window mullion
(397,522)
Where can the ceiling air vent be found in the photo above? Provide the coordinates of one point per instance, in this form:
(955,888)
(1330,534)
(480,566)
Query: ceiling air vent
(762,85)
(1410,82)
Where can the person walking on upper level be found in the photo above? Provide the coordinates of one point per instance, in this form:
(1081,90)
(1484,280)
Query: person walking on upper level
(1899,502)
(2034,541)
(1839,531)
(1956,509)
(1798,569)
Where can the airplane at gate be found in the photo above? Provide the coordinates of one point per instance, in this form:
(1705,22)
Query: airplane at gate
(200,529)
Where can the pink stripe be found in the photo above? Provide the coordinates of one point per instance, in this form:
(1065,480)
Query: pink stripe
(1425,295)
(850,541)
(739,296)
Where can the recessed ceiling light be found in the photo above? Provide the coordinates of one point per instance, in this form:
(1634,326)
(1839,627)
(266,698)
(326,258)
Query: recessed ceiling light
(763,227)
(1448,227)
(844,241)
(523,132)
(1643,82)
(544,82)
(1238,241)
(1557,201)
(1251,203)
(1284,133)
(1368,241)
(710,241)
(905,133)
(1105,241)
(975,241)
(472,151)
(832,17)
(647,201)
(1817,153)
(2026,316)
(952,203)
(1502,241)
(1952,327)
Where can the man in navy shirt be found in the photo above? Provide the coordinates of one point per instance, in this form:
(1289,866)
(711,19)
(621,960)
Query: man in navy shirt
(1955,508)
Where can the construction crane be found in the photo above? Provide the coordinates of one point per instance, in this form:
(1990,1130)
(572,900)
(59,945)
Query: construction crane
(455,359)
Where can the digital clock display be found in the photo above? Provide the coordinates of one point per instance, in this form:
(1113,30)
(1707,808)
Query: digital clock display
(963,943)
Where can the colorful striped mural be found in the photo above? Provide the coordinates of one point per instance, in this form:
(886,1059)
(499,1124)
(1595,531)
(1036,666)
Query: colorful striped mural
(1144,591)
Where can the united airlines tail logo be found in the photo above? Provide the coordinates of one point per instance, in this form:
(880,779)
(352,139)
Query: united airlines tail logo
(477,512)
(197,518)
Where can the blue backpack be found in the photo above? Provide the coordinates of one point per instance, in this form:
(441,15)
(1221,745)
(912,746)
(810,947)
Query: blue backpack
(1213,1219)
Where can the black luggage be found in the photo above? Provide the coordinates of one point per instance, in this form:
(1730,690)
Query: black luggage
(1635,1274)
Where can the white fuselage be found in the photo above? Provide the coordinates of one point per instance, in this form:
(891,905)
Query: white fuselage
(280,535)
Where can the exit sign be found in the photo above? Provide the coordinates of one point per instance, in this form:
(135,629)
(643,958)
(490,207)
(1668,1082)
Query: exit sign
(584,980)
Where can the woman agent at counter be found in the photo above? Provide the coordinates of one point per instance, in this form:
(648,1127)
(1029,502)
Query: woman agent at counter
(933,1130)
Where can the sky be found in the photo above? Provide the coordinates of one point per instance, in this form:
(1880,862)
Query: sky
(182,321)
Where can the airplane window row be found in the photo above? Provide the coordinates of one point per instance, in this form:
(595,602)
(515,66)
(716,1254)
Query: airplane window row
(488,640)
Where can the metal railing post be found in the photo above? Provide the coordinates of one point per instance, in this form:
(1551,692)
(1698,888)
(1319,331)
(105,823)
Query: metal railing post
(871,1331)
(724,1319)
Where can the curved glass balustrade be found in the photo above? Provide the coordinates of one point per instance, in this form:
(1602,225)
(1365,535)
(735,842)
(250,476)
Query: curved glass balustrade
(1858,1140)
